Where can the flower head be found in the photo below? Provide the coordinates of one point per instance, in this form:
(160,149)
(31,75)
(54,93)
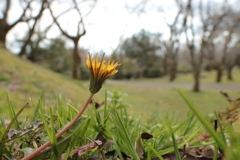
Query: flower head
(100,71)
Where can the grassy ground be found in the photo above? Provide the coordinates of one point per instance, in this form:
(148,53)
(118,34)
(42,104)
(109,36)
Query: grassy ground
(156,101)
(22,80)
(150,101)
(206,78)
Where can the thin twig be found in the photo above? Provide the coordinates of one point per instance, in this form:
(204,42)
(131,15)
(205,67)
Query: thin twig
(227,96)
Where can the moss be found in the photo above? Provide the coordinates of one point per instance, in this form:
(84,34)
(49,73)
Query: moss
(231,114)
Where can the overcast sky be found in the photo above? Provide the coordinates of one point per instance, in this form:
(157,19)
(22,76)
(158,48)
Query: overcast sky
(107,23)
(112,19)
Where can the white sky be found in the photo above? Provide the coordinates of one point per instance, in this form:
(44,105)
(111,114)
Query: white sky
(110,20)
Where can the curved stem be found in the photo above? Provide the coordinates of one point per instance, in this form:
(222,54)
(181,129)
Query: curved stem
(45,145)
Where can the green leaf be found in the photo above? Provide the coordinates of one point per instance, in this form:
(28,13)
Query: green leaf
(76,125)
(26,150)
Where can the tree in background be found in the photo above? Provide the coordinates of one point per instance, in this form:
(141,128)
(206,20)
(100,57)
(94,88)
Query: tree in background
(172,45)
(31,17)
(80,32)
(198,37)
(142,55)
(233,59)
(222,46)
(53,55)
(25,16)
(59,57)
(32,27)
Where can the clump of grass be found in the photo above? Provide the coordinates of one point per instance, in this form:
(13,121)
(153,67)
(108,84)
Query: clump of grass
(108,131)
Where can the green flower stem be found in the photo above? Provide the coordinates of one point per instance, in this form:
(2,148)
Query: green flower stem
(45,145)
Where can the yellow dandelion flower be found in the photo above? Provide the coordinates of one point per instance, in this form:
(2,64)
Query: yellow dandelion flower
(100,71)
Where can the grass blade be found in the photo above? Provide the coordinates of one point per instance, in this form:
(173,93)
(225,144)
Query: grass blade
(34,117)
(54,140)
(182,144)
(12,114)
(154,151)
(221,127)
(8,128)
(204,122)
(124,135)
(73,108)
(178,156)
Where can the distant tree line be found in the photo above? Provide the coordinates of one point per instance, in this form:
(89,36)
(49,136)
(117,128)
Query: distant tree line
(140,56)
(56,56)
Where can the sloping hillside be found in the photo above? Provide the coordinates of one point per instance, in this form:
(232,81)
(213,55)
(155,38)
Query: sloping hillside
(22,80)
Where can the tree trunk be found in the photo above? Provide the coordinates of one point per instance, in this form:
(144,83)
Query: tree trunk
(3,33)
(165,66)
(172,72)
(173,68)
(196,85)
(229,73)
(76,61)
(219,74)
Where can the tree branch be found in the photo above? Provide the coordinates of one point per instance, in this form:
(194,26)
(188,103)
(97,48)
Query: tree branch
(21,18)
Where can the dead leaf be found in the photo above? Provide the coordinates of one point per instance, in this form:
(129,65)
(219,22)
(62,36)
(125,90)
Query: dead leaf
(139,148)
(146,135)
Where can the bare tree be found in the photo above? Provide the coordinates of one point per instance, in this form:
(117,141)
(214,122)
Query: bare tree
(81,31)
(32,28)
(172,44)
(233,59)
(5,26)
(222,54)
(197,44)
(227,58)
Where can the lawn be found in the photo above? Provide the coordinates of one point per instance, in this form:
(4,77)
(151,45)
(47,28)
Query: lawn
(24,82)
(155,101)
(207,77)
